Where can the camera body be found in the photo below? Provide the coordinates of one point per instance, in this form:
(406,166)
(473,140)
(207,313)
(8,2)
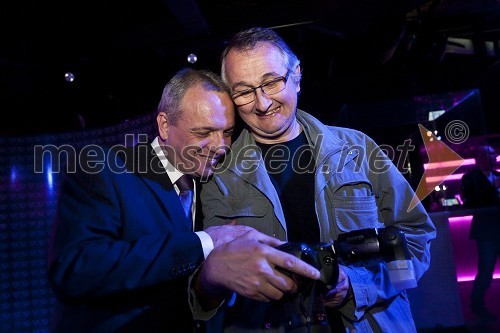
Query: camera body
(388,244)
(321,256)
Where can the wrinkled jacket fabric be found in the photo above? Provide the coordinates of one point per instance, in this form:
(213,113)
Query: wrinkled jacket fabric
(356,187)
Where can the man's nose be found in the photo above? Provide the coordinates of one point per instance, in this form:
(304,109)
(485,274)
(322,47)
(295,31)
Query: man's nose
(262,101)
(218,142)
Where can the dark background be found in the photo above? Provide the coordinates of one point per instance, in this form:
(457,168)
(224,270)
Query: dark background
(378,66)
(358,57)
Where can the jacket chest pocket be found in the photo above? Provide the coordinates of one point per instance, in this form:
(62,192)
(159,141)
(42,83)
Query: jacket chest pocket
(252,210)
(248,206)
(353,206)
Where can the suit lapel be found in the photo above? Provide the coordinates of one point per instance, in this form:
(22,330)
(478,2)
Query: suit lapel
(156,178)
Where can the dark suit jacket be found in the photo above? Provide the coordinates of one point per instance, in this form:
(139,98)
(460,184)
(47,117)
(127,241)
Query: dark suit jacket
(121,249)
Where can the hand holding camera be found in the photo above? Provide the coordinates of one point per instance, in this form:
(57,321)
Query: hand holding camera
(388,244)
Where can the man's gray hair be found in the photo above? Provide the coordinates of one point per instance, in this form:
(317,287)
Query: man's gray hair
(248,39)
(176,88)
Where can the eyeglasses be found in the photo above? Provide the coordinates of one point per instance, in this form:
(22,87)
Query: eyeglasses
(270,87)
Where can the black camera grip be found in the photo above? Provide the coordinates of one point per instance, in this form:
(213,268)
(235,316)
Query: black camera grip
(321,256)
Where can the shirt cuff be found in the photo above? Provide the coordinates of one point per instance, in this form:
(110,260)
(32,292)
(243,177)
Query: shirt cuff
(206,242)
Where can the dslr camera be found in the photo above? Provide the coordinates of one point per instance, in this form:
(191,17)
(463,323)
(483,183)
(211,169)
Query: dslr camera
(305,311)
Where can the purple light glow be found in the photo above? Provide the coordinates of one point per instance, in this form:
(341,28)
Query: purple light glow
(440,179)
(461,219)
(447,164)
(464,249)
(464,278)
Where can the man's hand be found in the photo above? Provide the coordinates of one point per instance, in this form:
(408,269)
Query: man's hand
(336,296)
(248,265)
(225,233)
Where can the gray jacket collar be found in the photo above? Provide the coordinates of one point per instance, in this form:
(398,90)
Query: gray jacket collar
(322,139)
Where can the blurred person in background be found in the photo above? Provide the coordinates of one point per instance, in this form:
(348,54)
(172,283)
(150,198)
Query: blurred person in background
(482,197)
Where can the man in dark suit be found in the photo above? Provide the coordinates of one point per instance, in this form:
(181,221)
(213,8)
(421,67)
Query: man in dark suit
(123,247)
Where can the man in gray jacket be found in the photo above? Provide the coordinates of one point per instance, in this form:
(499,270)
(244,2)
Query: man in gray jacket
(292,177)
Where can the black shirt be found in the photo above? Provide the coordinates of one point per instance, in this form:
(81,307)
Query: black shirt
(291,166)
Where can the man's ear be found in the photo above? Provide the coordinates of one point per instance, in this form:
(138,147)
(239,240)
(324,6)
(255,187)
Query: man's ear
(297,72)
(163,125)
